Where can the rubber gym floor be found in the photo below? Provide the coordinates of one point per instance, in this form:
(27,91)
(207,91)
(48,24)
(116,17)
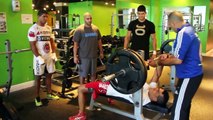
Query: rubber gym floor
(61,109)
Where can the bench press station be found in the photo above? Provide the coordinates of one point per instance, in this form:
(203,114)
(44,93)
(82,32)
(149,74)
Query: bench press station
(127,74)
(138,108)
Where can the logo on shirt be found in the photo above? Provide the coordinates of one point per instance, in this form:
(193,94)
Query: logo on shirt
(38,33)
(43,38)
(31,34)
(103,87)
(91,34)
(46,48)
(140,30)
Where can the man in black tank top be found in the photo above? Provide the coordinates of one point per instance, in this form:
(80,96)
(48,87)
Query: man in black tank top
(139,32)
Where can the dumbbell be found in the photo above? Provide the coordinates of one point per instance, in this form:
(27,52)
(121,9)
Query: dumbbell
(62,54)
(70,42)
(71,51)
(104,39)
(68,83)
(68,72)
(61,62)
(60,45)
(71,62)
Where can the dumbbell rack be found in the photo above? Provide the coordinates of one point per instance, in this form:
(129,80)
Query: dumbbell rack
(64,49)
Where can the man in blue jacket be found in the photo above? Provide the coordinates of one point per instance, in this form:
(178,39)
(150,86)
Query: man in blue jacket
(187,60)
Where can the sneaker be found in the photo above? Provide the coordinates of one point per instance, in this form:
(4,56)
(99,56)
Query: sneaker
(79,116)
(52,97)
(38,102)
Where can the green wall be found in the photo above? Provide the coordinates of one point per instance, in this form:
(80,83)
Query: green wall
(80,8)
(101,18)
(17,34)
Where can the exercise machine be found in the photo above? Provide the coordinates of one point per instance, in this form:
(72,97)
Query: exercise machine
(7,110)
(126,71)
(67,72)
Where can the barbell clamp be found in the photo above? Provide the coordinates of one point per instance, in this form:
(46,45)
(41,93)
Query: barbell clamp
(106,78)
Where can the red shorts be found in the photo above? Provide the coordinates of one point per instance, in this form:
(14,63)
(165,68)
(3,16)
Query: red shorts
(98,87)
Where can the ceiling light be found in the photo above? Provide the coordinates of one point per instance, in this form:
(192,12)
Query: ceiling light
(33,5)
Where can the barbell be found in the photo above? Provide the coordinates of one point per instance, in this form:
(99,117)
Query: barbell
(16,51)
(126,71)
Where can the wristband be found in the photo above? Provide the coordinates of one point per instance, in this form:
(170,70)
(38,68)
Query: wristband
(153,85)
(40,60)
(154,52)
(54,57)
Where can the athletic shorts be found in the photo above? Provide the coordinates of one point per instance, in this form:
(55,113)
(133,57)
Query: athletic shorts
(87,66)
(40,69)
(98,87)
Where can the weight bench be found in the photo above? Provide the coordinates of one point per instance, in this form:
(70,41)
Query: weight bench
(126,71)
(138,107)
(160,110)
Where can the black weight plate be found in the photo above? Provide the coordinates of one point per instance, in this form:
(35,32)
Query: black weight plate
(135,76)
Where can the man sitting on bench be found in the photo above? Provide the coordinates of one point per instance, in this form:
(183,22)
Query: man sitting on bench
(151,93)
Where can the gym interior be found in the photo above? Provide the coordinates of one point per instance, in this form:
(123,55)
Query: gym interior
(17,83)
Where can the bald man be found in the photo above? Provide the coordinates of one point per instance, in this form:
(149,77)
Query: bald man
(187,60)
(87,40)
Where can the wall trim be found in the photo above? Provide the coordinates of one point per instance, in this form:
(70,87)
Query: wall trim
(22,86)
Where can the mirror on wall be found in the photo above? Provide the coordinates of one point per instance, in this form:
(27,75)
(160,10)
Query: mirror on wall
(125,16)
(195,15)
(199,15)
(121,19)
